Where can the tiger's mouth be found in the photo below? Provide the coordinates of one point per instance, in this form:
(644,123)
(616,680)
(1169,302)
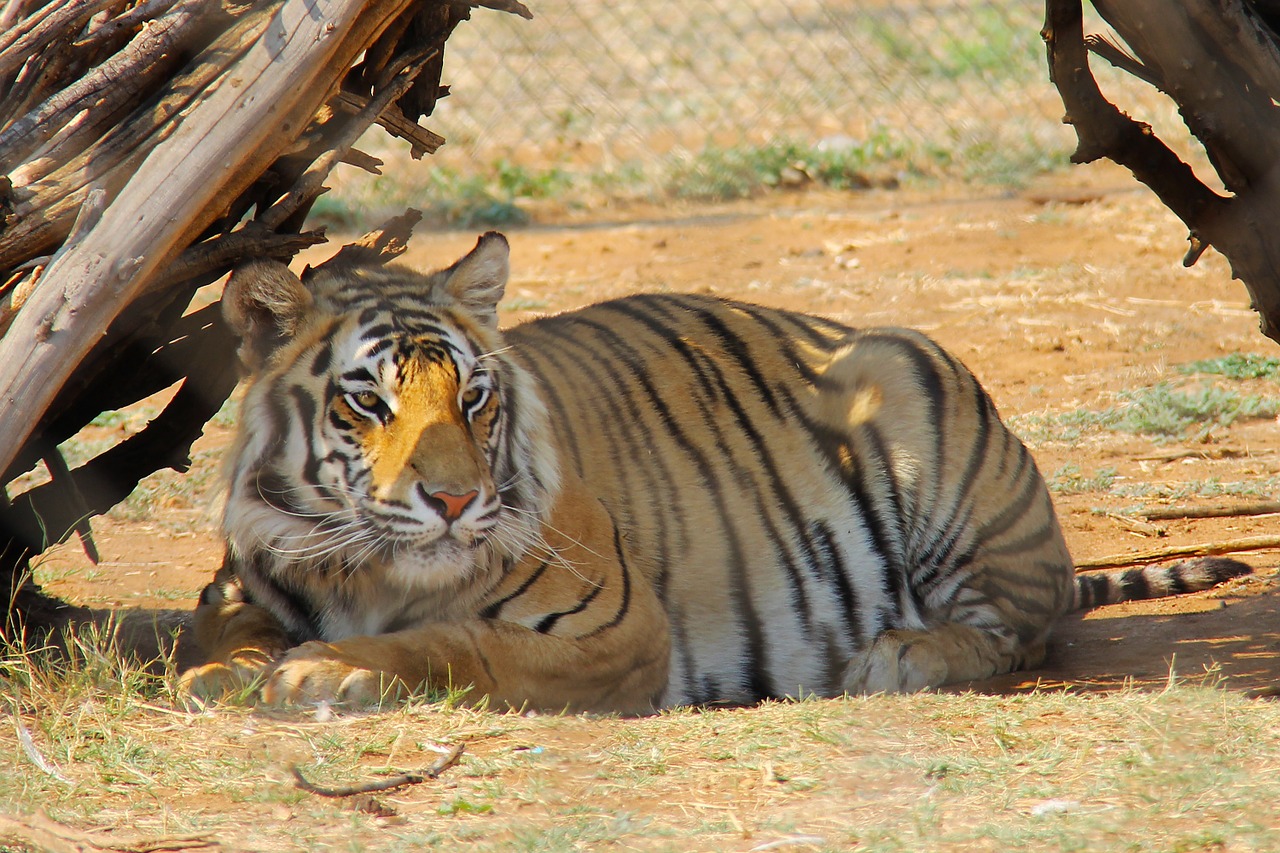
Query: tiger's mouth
(423,535)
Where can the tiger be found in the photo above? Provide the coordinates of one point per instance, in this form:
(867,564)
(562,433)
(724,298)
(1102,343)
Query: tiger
(656,501)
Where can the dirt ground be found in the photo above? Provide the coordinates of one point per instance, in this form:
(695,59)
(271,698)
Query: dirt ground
(1059,297)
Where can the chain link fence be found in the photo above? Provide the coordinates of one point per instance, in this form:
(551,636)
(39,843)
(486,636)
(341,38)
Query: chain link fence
(711,99)
(623,84)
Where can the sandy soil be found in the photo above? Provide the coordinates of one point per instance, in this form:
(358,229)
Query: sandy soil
(1059,297)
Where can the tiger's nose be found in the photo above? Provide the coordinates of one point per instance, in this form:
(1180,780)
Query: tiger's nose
(451,506)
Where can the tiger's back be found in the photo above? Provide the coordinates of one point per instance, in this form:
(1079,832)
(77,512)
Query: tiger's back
(793,487)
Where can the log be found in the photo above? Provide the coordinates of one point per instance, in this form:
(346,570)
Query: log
(165,205)
(1220,62)
(146,147)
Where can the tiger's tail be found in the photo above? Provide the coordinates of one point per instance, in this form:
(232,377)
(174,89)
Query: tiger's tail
(1094,589)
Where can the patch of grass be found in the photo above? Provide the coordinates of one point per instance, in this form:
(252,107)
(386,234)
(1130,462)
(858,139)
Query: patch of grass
(85,663)
(524,304)
(500,193)
(1004,159)
(1068,427)
(719,174)
(1159,411)
(982,43)
(229,414)
(109,419)
(1237,366)
(1070,480)
(1163,411)
(1264,487)
(167,490)
(489,198)
(1048,770)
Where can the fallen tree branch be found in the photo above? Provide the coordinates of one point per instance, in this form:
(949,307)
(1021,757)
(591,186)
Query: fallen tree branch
(445,761)
(109,88)
(38,832)
(146,148)
(1187,512)
(1221,64)
(1210,549)
(308,185)
(1136,525)
(165,205)
(377,247)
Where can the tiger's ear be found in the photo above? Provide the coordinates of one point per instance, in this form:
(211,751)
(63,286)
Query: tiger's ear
(263,303)
(478,281)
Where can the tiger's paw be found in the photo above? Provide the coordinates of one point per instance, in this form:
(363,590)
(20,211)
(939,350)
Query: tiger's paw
(897,662)
(236,680)
(312,673)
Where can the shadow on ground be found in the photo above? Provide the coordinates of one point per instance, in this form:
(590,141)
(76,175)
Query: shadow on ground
(1230,635)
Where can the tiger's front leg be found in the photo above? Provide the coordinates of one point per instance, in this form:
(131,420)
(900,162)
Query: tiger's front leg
(241,642)
(512,665)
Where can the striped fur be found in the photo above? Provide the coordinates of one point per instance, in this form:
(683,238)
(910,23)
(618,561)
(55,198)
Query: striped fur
(655,501)
(1094,589)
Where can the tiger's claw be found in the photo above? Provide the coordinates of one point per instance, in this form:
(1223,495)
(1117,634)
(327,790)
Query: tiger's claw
(310,674)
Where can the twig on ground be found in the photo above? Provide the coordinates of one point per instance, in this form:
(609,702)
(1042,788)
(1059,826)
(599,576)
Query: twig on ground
(1209,549)
(1182,512)
(1137,525)
(1184,453)
(40,833)
(445,761)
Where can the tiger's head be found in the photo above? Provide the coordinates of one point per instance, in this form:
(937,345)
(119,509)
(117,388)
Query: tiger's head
(386,428)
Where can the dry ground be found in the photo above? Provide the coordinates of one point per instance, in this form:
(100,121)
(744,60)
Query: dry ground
(1059,297)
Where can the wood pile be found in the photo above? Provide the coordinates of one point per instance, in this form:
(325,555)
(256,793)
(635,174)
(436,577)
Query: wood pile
(147,146)
(1219,61)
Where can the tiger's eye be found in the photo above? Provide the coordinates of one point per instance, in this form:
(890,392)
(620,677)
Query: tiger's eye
(366,399)
(472,396)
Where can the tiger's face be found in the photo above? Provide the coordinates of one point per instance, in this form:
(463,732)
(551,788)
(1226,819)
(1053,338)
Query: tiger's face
(384,439)
(407,434)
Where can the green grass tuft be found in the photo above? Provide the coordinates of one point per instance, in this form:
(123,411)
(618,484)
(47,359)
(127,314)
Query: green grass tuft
(1162,411)
(1237,366)
(491,198)
(1159,411)
(1070,480)
(720,174)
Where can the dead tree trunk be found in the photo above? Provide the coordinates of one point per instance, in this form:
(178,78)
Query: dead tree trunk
(146,146)
(1219,61)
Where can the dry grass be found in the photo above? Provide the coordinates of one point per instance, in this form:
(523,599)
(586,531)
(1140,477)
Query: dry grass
(110,747)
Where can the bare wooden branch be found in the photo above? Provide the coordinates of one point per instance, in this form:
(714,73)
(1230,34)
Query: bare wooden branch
(308,186)
(146,148)
(376,247)
(515,7)
(395,123)
(111,87)
(66,484)
(47,514)
(146,11)
(40,833)
(1208,549)
(1190,512)
(1222,66)
(29,38)
(164,205)
(1104,131)
(445,761)
(1137,525)
(222,251)
(49,193)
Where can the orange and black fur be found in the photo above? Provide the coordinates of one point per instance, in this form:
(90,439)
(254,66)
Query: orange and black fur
(654,501)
